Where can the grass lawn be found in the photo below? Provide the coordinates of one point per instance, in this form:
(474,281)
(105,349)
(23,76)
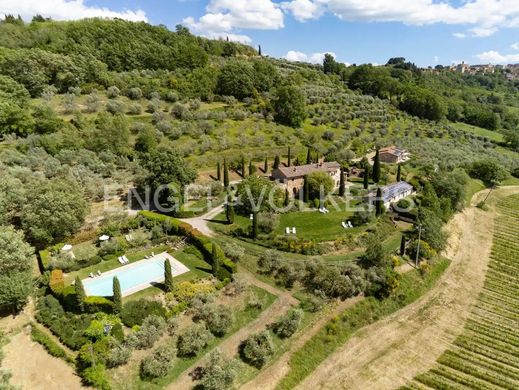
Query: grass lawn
(471,188)
(492,135)
(241,319)
(339,330)
(313,225)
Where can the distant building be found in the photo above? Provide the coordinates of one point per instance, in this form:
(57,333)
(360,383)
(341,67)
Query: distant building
(393,155)
(292,178)
(391,193)
(463,68)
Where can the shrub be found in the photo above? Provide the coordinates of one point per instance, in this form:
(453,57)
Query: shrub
(134,312)
(257,349)
(193,340)
(95,376)
(119,355)
(113,92)
(50,345)
(218,374)
(148,334)
(135,109)
(234,251)
(56,281)
(135,93)
(217,317)
(157,365)
(287,325)
(95,304)
(187,290)
(114,107)
(45,259)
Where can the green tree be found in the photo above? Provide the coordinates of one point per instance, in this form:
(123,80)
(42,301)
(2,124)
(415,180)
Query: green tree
(146,140)
(289,157)
(289,106)
(402,245)
(342,184)
(255,194)
(399,173)
(229,211)
(319,183)
(376,167)
(168,276)
(251,168)
(80,293)
(258,348)
(16,259)
(265,165)
(236,79)
(117,295)
(379,203)
(218,171)
(225,174)
(489,171)
(243,171)
(309,156)
(287,198)
(366,177)
(215,259)
(218,373)
(276,163)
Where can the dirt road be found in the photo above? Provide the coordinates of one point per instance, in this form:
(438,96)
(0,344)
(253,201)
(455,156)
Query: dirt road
(391,352)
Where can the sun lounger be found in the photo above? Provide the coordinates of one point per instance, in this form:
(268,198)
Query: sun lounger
(127,237)
(321,211)
(92,275)
(344,225)
(349,224)
(125,259)
(120,260)
(152,254)
(294,230)
(98,273)
(287,230)
(326,210)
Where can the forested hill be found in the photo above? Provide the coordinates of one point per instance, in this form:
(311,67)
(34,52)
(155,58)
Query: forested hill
(120,44)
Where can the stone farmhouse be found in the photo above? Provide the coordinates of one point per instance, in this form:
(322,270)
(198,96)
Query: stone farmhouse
(393,155)
(391,193)
(292,178)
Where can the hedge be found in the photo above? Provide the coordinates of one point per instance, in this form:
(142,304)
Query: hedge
(45,259)
(96,304)
(50,345)
(203,243)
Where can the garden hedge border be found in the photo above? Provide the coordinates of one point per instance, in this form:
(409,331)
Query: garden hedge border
(202,242)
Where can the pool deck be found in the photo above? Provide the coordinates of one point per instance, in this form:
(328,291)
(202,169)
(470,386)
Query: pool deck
(177,268)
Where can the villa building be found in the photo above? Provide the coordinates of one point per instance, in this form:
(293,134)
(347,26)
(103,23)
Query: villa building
(292,178)
(393,155)
(392,193)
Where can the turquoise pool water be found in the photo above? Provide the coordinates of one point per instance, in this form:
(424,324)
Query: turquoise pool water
(132,277)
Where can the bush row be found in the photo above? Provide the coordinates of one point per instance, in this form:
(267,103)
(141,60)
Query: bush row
(203,243)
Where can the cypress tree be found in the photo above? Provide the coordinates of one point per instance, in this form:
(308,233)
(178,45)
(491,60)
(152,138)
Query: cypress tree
(229,211)
(289,159)
(297,162)
(243,173)
(218,172)
(215,259)
(399,173)
(379,203)
(306,190)
(287,198)
(259,50)
(276,163)
(376,167)
(225,174)
(402,246)
(266,165)
(117,295)
(255,225)
(342,184)
(80,293)
(366,177)
(309,156)
(250,168)
(168,276)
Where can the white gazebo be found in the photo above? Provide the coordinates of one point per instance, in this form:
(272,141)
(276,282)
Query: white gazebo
(104,238)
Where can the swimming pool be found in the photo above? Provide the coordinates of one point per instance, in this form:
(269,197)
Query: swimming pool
(133,277)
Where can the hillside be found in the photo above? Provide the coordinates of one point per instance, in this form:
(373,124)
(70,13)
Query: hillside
(98,115)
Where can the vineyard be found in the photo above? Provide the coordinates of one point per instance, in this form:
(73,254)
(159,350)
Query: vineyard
(486,354)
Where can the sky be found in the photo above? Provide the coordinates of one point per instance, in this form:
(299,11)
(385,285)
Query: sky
(427,32)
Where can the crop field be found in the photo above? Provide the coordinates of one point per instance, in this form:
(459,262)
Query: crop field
(486,354)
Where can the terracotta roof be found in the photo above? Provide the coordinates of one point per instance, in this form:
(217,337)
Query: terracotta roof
(303,170)
(392,150)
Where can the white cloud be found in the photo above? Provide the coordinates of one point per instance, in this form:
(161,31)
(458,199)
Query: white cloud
(436,59)
(494,57)
(313,58)
(459,35)
(224,17)
(515,46)
(65,10)
(303,9)
(486,16)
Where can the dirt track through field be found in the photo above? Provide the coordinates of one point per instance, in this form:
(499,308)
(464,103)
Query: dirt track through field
(229,347)
(391,352)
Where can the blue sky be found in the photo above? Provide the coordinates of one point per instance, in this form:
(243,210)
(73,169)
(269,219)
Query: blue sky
(427,32)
